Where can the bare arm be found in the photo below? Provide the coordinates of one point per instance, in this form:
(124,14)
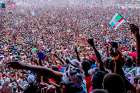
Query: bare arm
(38,69)
(98,56)
(77,54)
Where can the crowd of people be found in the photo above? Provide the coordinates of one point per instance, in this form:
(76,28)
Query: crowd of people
(69,50)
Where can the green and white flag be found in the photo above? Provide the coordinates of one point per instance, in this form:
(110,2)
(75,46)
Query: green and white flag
(116,21)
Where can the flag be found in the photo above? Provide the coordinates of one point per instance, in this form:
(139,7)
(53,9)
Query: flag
(116,21)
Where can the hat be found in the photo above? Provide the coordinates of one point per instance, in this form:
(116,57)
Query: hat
(75,63)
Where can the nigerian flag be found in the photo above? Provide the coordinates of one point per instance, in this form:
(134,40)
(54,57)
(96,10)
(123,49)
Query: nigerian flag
(116,21)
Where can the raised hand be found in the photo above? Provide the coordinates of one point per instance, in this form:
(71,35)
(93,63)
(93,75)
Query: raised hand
(91,42)
(134,29)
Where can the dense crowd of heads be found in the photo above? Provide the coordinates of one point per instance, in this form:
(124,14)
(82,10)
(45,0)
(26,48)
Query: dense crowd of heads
(53,51)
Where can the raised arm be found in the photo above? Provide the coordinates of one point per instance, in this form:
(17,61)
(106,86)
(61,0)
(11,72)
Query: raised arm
(77,54)
(119,59)
(118,70)
(38,69)
(98,56)
(135,31)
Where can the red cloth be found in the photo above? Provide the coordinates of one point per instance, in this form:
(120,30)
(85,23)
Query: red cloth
(59,67)
(90,89)
(88,83)
(92,57)
(52,80)
(133,55)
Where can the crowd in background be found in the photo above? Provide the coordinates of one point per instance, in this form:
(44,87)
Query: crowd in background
(58,39)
